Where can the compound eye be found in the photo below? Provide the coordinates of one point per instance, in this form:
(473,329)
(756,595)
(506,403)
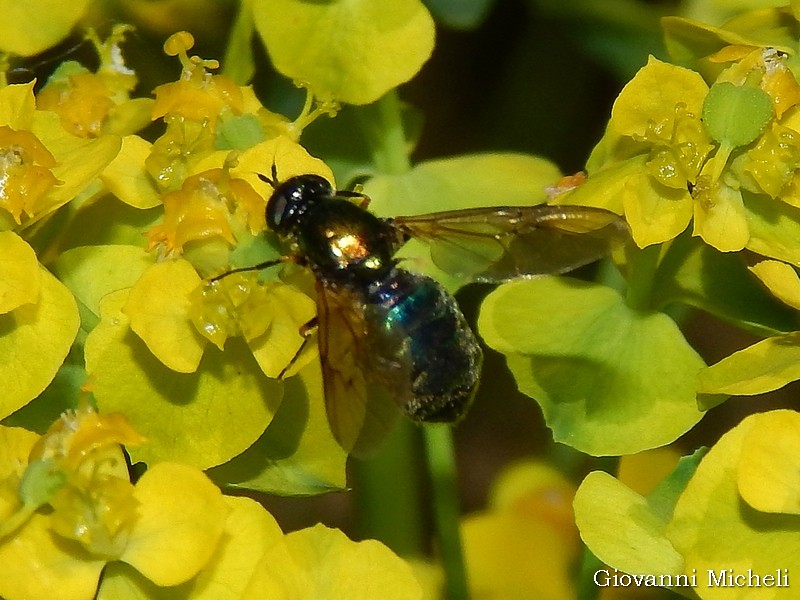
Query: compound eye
(292,198)
(277,209)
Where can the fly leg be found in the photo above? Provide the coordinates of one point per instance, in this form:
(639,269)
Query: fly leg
(307,331)
(363,199)
(264,265)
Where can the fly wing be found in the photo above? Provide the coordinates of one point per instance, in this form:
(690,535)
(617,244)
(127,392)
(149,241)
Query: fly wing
(361,391)
(500,243)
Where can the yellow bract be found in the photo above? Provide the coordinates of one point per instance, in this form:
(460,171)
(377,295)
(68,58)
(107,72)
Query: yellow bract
(28,28)
(203,418)
(36,337)
(25,169)
(319,562)
(781,279)
(158,308)
(351,51)
(20,280)
(45,167)
(718,496)
(126,176)
(769,473)
(180,521)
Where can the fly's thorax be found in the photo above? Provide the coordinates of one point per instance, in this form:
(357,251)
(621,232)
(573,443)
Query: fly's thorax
(344,242)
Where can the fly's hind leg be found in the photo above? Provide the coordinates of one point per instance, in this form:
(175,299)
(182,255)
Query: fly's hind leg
(307,331)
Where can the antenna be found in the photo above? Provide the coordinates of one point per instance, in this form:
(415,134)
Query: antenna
(273,181)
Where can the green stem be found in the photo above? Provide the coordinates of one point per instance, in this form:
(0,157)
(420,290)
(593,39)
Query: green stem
(587,589)
(440,456)
(642,268)
(389,502)
(382,125)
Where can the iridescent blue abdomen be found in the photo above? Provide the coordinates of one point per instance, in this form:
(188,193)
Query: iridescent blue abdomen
(417,324)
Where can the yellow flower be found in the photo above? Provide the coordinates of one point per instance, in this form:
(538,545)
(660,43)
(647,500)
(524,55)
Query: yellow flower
(203,208)
(90,104)
(25,172)
(42,167)
(72,508)
(197,96)
(524,546)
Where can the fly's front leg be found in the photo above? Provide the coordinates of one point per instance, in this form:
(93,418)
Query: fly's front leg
(264,265)
(306,331)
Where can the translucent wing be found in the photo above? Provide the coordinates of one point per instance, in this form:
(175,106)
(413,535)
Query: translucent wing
(499,243)
(361,393)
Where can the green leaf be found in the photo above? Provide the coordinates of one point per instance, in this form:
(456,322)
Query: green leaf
(688,41)
(352,51)
(203,418)
(91,272)
(610,380)
(719,283)
(297,455)
(736,115)
(28,28)
(774,227)
(460,14)
(239,63)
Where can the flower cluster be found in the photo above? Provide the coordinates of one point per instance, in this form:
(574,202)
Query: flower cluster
(69,512)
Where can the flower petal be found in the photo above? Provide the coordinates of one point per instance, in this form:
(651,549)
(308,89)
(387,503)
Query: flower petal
(128,179)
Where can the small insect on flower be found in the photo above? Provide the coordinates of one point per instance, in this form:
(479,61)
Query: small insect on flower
(385,332)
